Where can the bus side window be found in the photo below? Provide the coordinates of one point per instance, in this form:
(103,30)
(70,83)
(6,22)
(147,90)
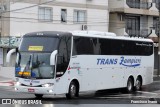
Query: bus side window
(63,56)
(83,46)
(96,46)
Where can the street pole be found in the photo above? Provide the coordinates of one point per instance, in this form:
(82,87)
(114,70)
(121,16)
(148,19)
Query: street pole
(158,72)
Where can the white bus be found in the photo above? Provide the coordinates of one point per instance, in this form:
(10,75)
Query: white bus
(52,62)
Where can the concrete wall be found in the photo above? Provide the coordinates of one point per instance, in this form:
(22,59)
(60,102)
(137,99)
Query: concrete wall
(26,20)
(117,4)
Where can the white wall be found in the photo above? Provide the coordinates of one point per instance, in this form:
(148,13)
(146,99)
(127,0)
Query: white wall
(26,20)
(99,2)
(117,4)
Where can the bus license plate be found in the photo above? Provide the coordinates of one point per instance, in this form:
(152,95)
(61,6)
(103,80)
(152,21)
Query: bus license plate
(30,90)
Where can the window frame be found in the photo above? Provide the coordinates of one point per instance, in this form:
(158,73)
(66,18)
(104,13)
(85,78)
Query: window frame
(76,16)
(44,19)
(108,46)
(62,20)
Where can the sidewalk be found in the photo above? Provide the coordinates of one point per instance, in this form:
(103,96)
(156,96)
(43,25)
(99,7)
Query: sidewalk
(6,81)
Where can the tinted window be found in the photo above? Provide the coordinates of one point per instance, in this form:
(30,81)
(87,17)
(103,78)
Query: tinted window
(124,47)
(63,57)
(98,46)
(48,44)
(83,45)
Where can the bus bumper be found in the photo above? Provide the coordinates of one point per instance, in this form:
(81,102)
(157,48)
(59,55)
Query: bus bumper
(35,90)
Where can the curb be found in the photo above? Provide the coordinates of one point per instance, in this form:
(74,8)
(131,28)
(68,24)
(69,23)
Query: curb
(7,83)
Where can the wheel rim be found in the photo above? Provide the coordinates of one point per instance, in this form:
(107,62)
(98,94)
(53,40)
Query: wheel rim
(129,86)
(138,84)
(73,90)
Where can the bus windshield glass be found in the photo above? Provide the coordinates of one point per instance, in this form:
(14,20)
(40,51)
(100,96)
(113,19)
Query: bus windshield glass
(39,44)
(34,65)
(33,59)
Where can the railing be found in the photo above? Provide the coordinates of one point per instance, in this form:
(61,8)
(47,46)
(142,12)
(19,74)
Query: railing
(139,5)
(9,41)
(139,33)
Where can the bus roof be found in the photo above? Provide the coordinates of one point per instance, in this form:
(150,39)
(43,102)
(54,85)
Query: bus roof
(47,34)
(107,35)
(96,34)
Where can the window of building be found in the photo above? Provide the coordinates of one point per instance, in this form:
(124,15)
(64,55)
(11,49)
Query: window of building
(121,17)
(155,1)
(45,14)
(80,16)
(133,25)
(155,24)
(63,15)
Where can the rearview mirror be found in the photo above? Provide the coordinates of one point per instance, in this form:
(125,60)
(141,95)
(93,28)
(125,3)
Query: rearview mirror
(53,57)
(8,57)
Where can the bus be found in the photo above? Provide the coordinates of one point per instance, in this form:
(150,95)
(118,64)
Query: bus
(54,62)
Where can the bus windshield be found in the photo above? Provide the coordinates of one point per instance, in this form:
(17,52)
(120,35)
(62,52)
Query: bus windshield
(34,65)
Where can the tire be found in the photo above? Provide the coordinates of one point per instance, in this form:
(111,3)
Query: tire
(39,95)
(130,85)
(138,85)
(73,91)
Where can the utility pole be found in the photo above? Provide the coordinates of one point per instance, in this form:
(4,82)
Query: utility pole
(158,72)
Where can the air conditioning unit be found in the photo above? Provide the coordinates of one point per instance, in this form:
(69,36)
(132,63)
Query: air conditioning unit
(84,27)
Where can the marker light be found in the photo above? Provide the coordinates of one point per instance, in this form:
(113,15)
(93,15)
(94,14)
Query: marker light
(48,85)
(18,83)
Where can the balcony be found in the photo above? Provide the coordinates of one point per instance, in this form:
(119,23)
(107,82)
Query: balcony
(9,42)
(139,5)
(130,7)
(139,33)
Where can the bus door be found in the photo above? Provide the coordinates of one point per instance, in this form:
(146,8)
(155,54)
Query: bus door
(62,62)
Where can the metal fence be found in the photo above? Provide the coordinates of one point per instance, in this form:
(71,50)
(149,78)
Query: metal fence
(140,5)
(139,33)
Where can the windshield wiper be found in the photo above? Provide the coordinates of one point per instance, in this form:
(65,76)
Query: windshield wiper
(35,65)
(27,66)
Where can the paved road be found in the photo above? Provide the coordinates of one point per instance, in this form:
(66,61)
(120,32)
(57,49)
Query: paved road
(111,98)
(116,96)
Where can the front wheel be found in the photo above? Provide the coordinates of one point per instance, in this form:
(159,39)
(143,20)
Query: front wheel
(73,90)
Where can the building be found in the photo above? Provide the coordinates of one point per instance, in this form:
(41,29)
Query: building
(135,18)
(22,16)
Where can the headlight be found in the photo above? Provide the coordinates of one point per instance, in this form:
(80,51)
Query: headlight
(48,85)
(18,83)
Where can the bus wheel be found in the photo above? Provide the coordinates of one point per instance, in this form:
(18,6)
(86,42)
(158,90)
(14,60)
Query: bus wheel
(130,85)
(39,95)
(138,85)
(72,92)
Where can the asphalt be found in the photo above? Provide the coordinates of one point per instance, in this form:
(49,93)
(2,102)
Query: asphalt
(156,78)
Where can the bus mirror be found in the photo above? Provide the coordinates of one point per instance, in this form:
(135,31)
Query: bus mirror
(53,57)
(8,57)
